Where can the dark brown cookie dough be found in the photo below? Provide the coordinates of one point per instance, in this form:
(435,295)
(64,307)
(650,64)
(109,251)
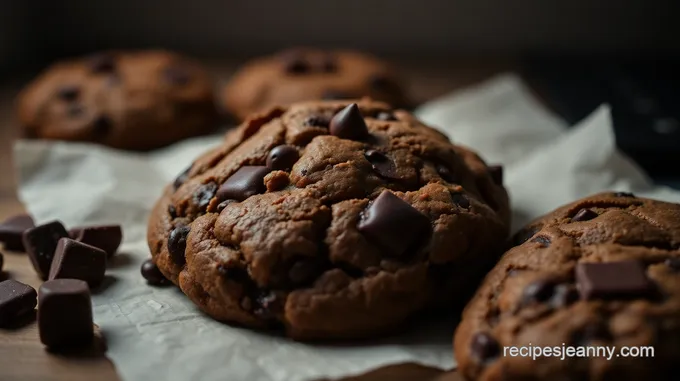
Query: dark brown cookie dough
(603,270)
(129,100)
(310,74)
(287,223)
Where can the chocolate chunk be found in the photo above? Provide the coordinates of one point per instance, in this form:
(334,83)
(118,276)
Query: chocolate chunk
(40,243)
(77,260)
(304,271)
(496,173)
(16,300)
(152,274)
(203,195)
(101,126)
(542,240)
(460,200)
(349,123)
(65,313)
(624,194)
(247,181)
(176,75)
(564,295)
(282,158)
(446,173)
(335,95)
(177,244)
(102,63)
(181,178)
(624,279)
(673,263)
(394,224)
(105,237)
(484,347)
(584,215)
(538,291)
(12,231)
(382,164)
(172,211)
(68,93)
(386,116)
(318,120)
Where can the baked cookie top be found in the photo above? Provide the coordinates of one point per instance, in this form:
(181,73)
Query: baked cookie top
(130,100)
(333,219)
(601,271)
(306,74)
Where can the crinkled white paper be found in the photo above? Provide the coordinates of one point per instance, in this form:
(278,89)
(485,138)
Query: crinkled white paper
(158,334)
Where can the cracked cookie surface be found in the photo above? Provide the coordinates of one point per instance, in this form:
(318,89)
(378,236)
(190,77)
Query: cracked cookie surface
(601,271)
(130,100)
(331,220)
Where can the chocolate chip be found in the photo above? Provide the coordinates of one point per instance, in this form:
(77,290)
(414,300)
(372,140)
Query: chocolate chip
(16,300)
(176,75)
(394,224)
(496,173)
(282,158)
(386,116)
(542,240)
(484,347)
(65,313)
(172,211)
(12,230)
(267,305)
(296,65)
(181,178)
(624,279)
(247,181)
(105,237)
(349,123)
(177,244)
(68,93)
(584,215)
(40,243)
(152,274)
(102,63)
(203,195)
(624,194)
(382,164)
(461,200)
(564,295)
(318,120)
(445,173)
(102,126)
(303,271)
(673,263)
(538,291)
(76,260)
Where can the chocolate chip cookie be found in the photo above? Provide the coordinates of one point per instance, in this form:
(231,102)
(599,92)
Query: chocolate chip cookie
(310,74)
(602,271)
(329,219)
(128,100)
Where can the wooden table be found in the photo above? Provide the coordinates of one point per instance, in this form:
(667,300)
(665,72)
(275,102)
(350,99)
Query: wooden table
(23,357)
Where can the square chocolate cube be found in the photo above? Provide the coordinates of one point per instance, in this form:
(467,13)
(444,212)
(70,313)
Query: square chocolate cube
(76,260)
(65,313)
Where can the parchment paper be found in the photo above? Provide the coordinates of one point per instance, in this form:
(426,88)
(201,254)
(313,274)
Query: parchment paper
(157,333)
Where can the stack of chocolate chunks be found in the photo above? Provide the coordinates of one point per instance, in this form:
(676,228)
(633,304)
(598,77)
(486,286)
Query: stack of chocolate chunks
(71,263)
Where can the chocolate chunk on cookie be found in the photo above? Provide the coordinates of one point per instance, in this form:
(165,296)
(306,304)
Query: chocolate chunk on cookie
(600,271)
(330,229)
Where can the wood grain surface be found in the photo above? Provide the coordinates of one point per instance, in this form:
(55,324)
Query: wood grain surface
(23,357)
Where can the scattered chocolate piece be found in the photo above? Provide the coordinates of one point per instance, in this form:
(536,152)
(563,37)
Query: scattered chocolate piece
(68,93)
(622,279)
(12,231)
(460,200)
(40,243)
(105,237)
(203,195)
(318,120)
(382,164)
(16,299)
(101,126)
(484,347)
(542,240)
(65,313)
(584,215)
(177,244)
(564,295)
(181,178)
(152,274)
(246,182)
(282,158)
(394,224)
(496,172)
(624,194)
(349,123)
(177,75)
(77,260)
(386,116)
(103,63)
(538,291)
(673,263)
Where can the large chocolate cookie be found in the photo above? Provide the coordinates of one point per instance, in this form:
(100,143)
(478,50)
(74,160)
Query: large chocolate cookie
(129,100)
(309,74)
(602,271)
(334,221)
